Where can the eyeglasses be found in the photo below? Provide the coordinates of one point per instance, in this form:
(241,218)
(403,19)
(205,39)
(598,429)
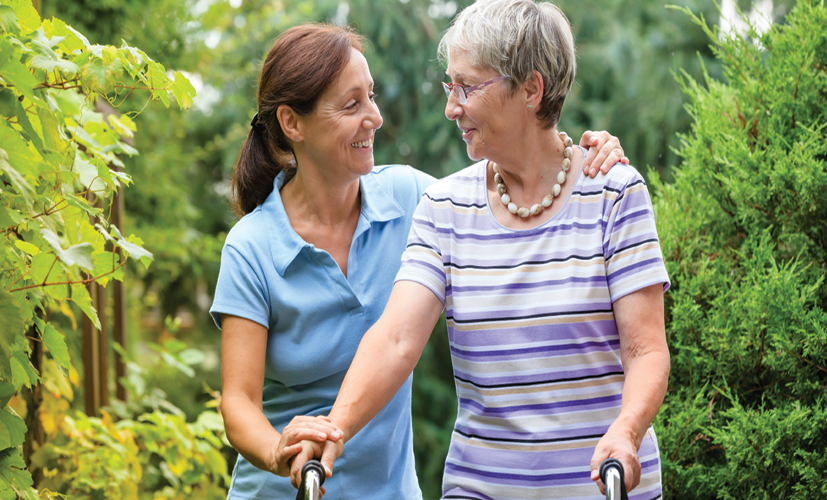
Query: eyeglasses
(462,92)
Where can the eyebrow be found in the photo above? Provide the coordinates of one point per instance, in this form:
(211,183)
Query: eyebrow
(359,87)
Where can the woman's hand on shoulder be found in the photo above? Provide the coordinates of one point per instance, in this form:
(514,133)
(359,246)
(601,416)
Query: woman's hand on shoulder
(294,438)
(603,153)
(618,444)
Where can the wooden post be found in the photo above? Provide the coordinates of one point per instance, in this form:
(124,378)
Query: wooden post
(35,435)
(119,303)
(91,362)
(103,345)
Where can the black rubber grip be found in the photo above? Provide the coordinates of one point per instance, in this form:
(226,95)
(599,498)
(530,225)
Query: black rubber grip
(604,467)
(313,465)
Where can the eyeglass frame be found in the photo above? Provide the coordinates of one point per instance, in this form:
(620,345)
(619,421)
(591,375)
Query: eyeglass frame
(466,91)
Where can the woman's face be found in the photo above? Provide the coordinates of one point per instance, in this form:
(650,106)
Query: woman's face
(489,121)
(338,135)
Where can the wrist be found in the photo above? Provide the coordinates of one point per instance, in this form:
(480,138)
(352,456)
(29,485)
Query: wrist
(630,428)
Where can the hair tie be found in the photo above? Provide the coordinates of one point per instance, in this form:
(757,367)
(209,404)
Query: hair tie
(254,121)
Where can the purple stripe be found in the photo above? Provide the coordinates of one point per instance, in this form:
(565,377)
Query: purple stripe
(577,403)
(637,265)
(527,286)
(505,478)
(606,329)
(582,347)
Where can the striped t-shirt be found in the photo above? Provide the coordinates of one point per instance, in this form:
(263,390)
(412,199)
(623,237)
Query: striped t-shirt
(533,339)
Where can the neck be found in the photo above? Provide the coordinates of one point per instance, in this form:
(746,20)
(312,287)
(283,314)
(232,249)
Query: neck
(531,167)
(319,199)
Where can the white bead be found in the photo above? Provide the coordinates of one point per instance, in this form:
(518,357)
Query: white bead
(512,207)
(567,152)
(498,178)
(523,212)
(506,199)
(566,164)
(536,209)
(547,201)
(556,189)
(568,142)
(561,177)
(496,168)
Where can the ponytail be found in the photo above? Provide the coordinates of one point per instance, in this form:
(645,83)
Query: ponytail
(258,164)
(300,66)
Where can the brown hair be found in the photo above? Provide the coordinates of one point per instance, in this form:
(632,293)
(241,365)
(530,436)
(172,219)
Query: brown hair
(300,66)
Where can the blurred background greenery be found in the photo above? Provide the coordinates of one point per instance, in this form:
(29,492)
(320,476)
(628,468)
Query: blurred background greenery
(628,51)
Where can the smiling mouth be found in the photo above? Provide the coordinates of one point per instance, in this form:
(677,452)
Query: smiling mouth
(362,144)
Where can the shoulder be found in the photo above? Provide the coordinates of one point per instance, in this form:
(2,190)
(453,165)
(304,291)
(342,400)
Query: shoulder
(616,182)
(247,236)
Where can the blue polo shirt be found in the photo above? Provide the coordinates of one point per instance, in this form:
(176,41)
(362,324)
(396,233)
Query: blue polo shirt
(315,319)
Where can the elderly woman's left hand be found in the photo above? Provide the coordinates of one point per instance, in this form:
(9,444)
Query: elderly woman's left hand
(603,152)
(620,445)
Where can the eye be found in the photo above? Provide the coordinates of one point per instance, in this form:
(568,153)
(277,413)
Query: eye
(372,96)
(352,105)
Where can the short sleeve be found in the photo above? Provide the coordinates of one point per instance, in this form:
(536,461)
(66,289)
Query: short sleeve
(630,242)
(240,290)
(422,180)
(422,260)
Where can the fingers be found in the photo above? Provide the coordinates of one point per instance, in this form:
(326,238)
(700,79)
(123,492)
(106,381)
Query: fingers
(294,434)
(321,424)
(614,156)
(330,453)
(304,456)
(604,151)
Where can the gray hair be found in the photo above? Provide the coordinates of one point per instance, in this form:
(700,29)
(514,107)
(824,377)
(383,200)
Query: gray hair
(514,38)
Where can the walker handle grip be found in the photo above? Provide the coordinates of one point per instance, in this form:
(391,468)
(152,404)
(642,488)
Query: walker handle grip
(611,473)
(310,489)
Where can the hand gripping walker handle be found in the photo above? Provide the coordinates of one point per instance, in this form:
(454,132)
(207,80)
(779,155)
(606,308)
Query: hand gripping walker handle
(611,473)
(313,477)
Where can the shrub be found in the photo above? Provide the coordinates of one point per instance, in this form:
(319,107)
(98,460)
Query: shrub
(744,235)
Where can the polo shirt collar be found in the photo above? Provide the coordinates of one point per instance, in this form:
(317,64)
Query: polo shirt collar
(285,244)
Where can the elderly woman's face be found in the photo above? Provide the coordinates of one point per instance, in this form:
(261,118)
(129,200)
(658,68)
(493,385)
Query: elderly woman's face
(489,121)
(339,133)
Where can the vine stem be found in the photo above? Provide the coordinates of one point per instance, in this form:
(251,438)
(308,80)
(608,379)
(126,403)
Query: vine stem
(82,282)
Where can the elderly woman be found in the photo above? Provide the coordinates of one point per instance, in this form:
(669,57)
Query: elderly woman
(310,267)
(552,283)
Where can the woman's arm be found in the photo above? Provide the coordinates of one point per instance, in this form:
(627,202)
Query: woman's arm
(645,357)
(385,358)
(243,350)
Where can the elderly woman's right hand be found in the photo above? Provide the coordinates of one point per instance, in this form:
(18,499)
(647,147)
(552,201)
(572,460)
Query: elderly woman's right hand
(329,451)
(300,430)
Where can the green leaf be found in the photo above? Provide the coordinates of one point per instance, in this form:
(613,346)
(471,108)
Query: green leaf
(68,68)
(55,342)
(97,76)
(11,106)
(134,250)
(13,473)
(12,430)
(183,90)
(16,179)
(20,155)
(41,265)
(103,265)
(14,72)
(8,19)
(23,373)
(25,246)
(6,392)
(50,124)
(80,296)
(80,254)
(27,16)
(13,325)
(72,40)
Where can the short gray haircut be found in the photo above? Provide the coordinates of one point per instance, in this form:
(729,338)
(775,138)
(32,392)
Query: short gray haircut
(514,38)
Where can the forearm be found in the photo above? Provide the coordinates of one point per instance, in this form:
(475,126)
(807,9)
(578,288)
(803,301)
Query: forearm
(249,431)
(647,376)
(386,356)
(382,364)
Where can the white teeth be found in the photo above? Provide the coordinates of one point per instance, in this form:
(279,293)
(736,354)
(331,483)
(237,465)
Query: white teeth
(361,144)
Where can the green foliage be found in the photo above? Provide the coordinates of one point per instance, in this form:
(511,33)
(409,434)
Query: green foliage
(744,234)
(57,154)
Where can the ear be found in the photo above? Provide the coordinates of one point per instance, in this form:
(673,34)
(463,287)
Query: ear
(289,122)
(533,88)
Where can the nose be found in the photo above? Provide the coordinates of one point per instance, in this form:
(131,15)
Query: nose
(374,117)
(453,109)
